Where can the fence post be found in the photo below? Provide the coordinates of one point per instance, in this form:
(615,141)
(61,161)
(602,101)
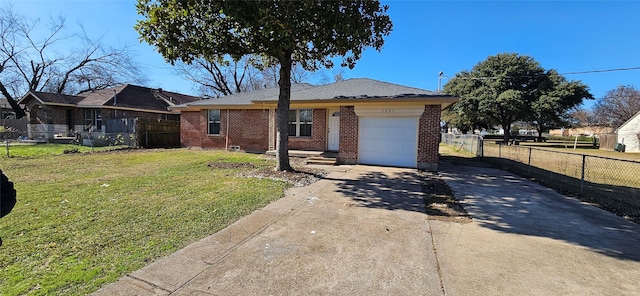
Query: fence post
(529,162)
(146,139)
(584,160)
(500,151)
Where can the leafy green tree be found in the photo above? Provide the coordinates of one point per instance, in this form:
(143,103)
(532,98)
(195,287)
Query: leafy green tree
(309,33)
(555,98)
(508,87)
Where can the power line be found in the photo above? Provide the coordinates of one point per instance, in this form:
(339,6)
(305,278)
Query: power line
(600,71)
(565,73)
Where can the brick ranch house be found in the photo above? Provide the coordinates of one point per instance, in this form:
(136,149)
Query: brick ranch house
(50,114)
(365,121)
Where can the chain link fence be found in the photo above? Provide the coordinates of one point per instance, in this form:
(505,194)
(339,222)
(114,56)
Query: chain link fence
(613,184)
(469,143)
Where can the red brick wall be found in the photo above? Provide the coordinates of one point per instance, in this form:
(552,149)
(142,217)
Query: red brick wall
(318,139)
(191,133)
(348,151)
(429,138)
(248,129)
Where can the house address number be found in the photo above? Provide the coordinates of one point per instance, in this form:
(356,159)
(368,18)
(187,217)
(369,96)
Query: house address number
(387,110)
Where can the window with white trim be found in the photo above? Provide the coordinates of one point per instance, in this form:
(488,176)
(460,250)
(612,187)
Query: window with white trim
(214,122)
(300,122)
(93,119)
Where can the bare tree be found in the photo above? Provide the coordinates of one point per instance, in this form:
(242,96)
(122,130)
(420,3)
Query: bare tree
(298,74)
(29,61)
(618,105)
(222,76)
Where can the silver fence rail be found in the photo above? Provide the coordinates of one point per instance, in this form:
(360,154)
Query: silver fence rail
(611,183)
(469,143)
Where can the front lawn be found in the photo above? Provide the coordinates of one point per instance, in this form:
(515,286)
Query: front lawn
(85,220)
(37,150)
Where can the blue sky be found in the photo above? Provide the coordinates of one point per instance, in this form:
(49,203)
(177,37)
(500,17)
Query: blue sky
(428,37)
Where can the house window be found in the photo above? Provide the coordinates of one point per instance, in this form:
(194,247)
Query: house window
(300,122)
(214,122)
(93,119)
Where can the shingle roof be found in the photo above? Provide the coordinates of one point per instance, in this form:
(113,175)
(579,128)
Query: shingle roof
(123,96)
(355,88)
(246,98)
(57,98)
(362,88)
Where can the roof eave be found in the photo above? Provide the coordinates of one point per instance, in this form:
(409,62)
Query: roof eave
(431,100)
(444,101)
(32,94)
(125,109)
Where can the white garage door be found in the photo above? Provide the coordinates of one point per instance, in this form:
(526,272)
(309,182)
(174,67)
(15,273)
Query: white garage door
(388,141)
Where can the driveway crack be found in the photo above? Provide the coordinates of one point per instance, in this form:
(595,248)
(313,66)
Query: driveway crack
(435,253)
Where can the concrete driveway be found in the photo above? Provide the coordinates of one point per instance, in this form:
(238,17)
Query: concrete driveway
(527,239)
(363,231)
(359,231)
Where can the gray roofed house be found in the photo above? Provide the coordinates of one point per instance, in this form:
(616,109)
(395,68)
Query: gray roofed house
(363,120)
(247,98)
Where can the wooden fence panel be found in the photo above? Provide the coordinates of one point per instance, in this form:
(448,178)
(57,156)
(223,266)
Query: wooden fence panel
(154,134)
(608,141)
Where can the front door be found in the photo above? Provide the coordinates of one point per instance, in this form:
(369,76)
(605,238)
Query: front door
(333,132)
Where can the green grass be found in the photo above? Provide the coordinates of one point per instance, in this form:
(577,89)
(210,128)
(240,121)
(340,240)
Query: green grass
(447,150)
(85,220)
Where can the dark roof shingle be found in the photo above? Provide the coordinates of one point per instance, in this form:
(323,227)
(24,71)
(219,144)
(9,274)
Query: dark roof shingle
(124,96)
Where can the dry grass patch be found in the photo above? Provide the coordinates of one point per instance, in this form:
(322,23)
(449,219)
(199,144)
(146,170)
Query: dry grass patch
(440,202)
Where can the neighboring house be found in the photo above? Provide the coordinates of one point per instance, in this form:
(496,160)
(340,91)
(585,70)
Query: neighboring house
(51,114)
(10,127)
(629,134)
(589,131)
(6,111)
(365,121)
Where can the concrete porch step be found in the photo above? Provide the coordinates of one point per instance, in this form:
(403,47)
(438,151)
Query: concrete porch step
(321,160)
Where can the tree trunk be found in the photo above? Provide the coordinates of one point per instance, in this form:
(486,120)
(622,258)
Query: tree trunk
(14,104)
(539,134)
(282,114)
(507,133)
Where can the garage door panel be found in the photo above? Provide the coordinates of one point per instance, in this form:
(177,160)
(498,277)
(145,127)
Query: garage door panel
(388,141)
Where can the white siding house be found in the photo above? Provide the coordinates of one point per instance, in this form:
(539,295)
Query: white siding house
(629,134)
